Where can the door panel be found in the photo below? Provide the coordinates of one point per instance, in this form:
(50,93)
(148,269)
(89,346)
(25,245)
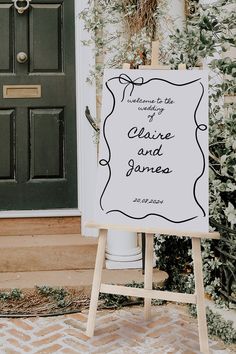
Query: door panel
(47,155)
(7,144)
(38,135)
(6,38)
(45,38)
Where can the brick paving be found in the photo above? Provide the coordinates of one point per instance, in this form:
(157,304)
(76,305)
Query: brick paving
(171,331)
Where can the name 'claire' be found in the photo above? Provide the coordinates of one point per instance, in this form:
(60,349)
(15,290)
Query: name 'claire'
(141,133)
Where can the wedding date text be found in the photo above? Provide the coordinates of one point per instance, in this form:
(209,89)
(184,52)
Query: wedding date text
(147,201)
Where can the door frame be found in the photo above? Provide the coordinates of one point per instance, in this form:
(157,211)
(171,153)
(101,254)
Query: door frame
(86,147)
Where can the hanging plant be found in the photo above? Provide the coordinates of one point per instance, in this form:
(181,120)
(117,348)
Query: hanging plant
(141,14)
(122,31)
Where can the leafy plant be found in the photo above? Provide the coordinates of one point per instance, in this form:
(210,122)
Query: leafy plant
(121,32)
(117,301)
(58,294)
(206,39)
(221,328)
(217,325)
(209,33)
(14,294)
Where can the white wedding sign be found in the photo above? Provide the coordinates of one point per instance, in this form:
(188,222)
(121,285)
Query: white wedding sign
(153,151)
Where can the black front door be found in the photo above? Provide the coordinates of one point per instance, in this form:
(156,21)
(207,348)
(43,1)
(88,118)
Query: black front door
(37,105)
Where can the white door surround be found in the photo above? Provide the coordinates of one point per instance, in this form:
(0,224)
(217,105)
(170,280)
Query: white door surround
(86,149)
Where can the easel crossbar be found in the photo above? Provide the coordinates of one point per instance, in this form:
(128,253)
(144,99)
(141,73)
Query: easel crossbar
(151,294)
(196,234)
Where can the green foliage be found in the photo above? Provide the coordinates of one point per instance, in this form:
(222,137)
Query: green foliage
(117,301)
(209,33)
(113,301)
(174,264)
(121,31)
(217,325)
(206,37)
(14,294)
(221,328)
(57,294)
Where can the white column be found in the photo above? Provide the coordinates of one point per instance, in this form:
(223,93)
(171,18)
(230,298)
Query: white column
(177,12)
(122,250)
(85,96)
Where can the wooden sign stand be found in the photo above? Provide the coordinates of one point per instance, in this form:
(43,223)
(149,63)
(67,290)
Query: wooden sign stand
(147,293)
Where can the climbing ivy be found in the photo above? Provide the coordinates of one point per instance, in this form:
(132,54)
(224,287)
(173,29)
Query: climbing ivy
(207,39)
(122,31)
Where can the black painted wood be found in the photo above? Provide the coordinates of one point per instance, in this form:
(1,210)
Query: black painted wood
(6,37)
(7,144)
(45,33)
(47,155)
(38,135)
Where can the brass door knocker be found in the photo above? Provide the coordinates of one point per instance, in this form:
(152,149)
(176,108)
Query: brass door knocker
(21,5)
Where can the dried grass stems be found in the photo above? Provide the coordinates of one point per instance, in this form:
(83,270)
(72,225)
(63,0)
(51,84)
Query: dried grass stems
(32,303)
(47,301)
(140,14)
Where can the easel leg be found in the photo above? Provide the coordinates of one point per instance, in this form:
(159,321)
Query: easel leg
(148,274)
(199,290)
(96,282)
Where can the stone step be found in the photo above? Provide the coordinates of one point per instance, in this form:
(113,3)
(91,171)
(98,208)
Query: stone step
(40,226)
(47,252)
(81,279)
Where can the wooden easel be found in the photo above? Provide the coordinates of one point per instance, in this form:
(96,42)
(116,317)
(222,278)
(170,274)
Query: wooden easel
(147,293)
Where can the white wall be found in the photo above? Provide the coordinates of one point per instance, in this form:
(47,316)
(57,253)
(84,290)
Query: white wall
(85,96)
(87,150)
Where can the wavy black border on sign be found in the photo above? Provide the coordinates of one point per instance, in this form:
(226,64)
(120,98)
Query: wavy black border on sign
(129,83)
